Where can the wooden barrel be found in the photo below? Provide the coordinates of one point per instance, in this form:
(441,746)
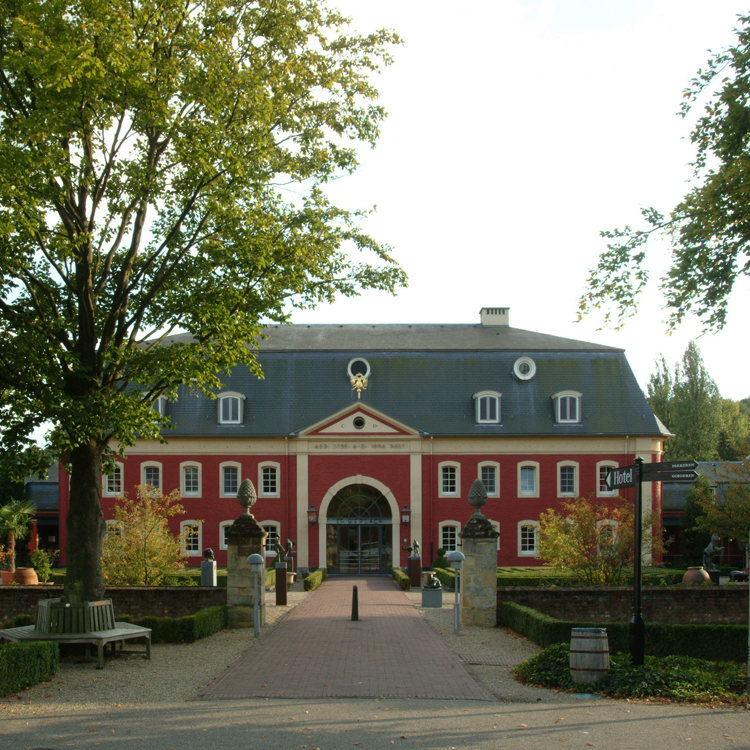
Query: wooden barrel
(589,654)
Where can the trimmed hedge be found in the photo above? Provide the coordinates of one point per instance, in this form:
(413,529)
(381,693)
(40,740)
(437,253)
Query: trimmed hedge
(712,642)
(188,628)
(543,576)
(446,576)
(401,578)
(314,579)
(26,664)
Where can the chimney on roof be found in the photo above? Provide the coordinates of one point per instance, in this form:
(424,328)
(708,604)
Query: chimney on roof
(494,316)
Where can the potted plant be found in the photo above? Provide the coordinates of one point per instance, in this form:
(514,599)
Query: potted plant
(5,574)
(15,521)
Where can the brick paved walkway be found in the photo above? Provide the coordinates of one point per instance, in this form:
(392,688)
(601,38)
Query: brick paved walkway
(317,651)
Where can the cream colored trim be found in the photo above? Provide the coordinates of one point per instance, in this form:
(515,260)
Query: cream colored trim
(537,478)
(520,525)
(577,481)
(269,465)
(452,524)
(371,482)
(599,466)
(229,465)
(448,465)
(303,500)
(222,526)
(368,412)
(187,464)
(496,466)
(415,498)
(119,466)
(199,524)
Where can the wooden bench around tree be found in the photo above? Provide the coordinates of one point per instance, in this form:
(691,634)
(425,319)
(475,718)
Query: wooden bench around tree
(121,632)
(80,622)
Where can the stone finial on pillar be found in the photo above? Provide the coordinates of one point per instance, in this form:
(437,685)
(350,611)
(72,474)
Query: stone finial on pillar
(244,538)
(479,586)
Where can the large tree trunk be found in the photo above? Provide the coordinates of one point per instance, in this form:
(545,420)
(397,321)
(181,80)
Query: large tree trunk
(83,579)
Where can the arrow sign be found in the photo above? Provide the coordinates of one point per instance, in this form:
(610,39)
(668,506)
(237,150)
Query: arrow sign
(670,471)
(623,476)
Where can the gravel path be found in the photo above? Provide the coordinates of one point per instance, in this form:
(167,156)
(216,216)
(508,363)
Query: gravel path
(177,672)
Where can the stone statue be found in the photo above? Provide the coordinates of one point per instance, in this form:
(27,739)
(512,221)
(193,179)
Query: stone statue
(712,554)
(289,547)
(279,550)
(415,548)
(246,496)
(208,554)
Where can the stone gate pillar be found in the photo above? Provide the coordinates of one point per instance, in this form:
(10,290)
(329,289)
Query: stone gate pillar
(244,537)
(479,584)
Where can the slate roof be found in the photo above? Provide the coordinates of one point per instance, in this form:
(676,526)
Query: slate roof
(425,376)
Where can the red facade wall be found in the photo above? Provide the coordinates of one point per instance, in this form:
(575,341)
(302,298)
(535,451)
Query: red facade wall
(392,470)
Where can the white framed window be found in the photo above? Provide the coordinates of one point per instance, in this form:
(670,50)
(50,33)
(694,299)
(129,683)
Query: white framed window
(602,469)
(160,405)
(449,479)
(190,479)
(567,479)
(273,531)
(487,405)
(112,482)
(151,474)
(114,528)
(230,407)
(489,473)
(448,535)
(191,538)
(528,538)
(528,479)
(268,479)
(223,527)
(567,407)
(524,368)
(230,476)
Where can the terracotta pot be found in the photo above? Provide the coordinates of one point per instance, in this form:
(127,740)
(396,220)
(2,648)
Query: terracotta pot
(696,574)
(6,576)
(26,576)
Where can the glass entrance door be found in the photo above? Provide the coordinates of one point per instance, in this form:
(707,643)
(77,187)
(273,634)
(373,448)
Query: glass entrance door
(360,548)
(358,538)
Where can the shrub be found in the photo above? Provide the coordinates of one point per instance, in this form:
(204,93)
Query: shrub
(41,560)
(188,628)
(441,561)
(314,579)
(667,677)
(26,664)
(403,580)
(717,642)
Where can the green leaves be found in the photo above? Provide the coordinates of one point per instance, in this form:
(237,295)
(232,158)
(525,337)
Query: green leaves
(709,229)
(164,170)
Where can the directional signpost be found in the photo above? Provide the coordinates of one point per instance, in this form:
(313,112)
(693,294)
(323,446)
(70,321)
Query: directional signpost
(634,476)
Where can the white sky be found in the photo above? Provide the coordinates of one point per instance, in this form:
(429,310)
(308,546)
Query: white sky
(518,130)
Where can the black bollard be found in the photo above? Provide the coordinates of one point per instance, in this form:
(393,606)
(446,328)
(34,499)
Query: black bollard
(355,604)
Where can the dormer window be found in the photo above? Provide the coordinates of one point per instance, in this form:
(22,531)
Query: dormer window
(567,407)
(487,404)
(160,405)
(230,408)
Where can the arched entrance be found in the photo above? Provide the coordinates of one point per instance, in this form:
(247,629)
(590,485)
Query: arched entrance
(358,531)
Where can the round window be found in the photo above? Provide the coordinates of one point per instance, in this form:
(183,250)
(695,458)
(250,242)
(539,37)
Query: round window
(524,368)
(358,367)
(359,423)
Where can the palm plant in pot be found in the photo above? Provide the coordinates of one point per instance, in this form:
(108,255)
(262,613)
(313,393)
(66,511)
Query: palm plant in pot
(15,521)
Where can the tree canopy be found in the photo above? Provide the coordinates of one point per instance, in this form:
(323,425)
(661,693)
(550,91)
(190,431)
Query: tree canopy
(164,166)
(709,229)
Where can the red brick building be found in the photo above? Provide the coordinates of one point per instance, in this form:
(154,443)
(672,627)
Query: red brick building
(362,438)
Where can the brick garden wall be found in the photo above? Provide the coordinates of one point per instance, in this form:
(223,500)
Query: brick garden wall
(136,601)
(673,604)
